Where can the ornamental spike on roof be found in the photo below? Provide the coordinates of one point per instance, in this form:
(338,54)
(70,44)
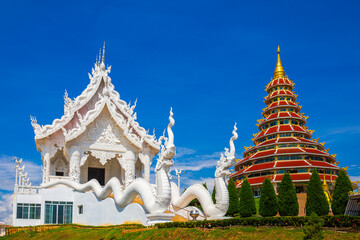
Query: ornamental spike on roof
(81,111)
(283,136)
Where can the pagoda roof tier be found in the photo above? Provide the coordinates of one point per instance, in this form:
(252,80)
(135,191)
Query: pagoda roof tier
(284,140)
(296,177)
(280,115)
(300,177)
(279,82)
(282,103)
(280,93)
(284,164)
(282,128)
(284,151)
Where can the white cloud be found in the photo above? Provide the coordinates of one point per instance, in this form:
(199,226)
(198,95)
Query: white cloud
(7,172)
(354,178)
(197,162)
(6,203)
(209,182)
(343,130)
(183,151)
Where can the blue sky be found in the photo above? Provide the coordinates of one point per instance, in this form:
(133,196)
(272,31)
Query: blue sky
(209,60)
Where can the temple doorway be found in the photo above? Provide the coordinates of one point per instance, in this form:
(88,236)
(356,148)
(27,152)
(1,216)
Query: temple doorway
(98,174)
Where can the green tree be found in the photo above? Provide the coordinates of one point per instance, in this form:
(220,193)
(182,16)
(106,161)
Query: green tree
(316,200)
(233,199)
(313,227)
(213,195)
(343,186)
(268,205)
(247,202)
(287,199)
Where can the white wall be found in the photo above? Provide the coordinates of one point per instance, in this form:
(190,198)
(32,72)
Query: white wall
(95,211)
(105,212)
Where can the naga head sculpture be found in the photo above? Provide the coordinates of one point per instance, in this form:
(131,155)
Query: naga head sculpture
(227,161)
(168,150)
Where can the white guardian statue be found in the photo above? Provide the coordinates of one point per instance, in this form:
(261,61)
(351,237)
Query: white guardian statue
(211,210)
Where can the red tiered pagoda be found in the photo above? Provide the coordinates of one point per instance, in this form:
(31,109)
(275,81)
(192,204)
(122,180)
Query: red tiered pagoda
(284,143)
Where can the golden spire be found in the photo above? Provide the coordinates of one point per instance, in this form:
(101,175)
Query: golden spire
(279,70)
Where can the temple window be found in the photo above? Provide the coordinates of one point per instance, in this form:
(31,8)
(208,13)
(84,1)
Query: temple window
(28,211)
(287,145)
(264,160)
(58,212)
(291,157)
(271,137)
(285,135)
(284,121)
(273,123)
(81,209)
(282,109)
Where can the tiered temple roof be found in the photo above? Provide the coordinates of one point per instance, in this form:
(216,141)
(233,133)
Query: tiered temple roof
(284,143)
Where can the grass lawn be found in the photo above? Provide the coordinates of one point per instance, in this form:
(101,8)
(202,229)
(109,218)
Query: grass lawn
(257,201)
(71,232)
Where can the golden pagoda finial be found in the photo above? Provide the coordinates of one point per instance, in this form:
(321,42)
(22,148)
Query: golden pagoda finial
(279,70)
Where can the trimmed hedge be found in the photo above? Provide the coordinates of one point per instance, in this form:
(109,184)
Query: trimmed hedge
(341,193)
(329,221)
(268,205)
(233,199)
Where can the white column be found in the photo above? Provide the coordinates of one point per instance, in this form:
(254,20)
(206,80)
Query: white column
(47,166)
(129,158)
(74,172)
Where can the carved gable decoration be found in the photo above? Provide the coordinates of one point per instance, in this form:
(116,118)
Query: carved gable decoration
(102,134)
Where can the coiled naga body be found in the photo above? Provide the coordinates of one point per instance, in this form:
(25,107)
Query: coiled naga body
(211,210)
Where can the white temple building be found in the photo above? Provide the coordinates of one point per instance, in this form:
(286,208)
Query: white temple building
(96,161)
(96,138)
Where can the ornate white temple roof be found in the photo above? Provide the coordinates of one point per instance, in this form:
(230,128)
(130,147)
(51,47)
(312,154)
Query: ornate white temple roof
(84,109)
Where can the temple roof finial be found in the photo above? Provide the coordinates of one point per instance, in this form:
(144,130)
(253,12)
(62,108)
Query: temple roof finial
(279,70)
(103,56)
(99,56)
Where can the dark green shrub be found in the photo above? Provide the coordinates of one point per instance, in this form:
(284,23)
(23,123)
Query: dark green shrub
(342,188)
(316,200)
(233,199)
(313,227)
(268,205)
(287,199)
(247,203)
(213,195)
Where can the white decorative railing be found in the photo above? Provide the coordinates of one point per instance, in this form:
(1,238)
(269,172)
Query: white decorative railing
(22,181)
(32,190)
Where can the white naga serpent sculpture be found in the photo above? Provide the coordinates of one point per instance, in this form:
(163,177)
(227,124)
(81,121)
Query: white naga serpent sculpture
(211,210)
(156,202)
